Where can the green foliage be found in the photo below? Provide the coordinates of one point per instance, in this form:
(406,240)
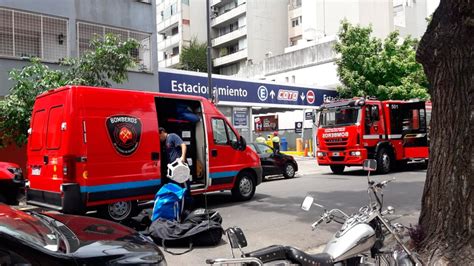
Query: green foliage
(194,56)
(109,59)
(384,69)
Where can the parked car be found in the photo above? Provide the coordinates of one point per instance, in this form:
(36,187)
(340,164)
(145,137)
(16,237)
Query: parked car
(275,163)
(48,238)
(11,181)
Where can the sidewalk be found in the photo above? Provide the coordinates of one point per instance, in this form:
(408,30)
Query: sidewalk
(309,166)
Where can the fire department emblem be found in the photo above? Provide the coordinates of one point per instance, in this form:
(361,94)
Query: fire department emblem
(124,132)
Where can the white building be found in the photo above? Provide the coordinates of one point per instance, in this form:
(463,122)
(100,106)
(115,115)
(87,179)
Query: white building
(247,31)
(409,16)
(178,22)
(312,29)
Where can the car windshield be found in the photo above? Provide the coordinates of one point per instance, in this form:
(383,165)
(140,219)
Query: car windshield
(264,148)
(32,229)
(335,117)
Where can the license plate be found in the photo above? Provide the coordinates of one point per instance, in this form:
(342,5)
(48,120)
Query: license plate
(336,154)
(36,171)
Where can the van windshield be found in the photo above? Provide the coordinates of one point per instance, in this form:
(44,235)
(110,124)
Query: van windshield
(336,117)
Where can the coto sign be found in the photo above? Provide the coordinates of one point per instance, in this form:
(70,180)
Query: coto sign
(287,95)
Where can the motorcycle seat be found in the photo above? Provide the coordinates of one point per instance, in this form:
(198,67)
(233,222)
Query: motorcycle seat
(279,252)
(271,253)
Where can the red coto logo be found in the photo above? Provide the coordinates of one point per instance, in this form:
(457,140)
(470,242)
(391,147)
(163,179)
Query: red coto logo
(287,95)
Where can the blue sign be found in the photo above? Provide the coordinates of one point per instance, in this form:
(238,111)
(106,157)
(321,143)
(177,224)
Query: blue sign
(240,118)
(241,91)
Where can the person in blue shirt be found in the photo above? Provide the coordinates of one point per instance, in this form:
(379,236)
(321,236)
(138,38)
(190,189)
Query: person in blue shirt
(174,146)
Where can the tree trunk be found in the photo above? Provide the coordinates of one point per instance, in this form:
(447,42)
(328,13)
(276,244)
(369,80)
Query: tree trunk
(446,52)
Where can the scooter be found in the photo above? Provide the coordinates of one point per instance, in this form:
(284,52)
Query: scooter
(365,238)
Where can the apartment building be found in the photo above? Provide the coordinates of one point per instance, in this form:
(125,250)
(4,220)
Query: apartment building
(52,30)
(178,22)
(247,31)
(409,16)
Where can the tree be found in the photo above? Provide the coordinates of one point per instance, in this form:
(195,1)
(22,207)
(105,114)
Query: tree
(194,56)
(447,54)
(370,67)
(108,60)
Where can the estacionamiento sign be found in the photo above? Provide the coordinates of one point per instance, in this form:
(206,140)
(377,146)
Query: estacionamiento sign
(242,92)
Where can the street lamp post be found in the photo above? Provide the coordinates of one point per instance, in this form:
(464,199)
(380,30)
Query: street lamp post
(209,61)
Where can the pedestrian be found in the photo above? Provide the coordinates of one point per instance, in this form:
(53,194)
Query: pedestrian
(260,139)
(276,142)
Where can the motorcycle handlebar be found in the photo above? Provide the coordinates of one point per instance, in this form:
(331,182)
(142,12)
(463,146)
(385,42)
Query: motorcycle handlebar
(315,224)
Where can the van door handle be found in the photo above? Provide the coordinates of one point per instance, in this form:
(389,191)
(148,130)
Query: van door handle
(46,159)
(214,153)
(155,156)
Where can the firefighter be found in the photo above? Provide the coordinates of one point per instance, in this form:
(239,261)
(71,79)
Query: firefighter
(276,142)
(260,139)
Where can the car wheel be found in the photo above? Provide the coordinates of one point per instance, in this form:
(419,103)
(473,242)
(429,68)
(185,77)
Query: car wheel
(244,187)
(384,161)
(289,170)
(119,211)
(337,169)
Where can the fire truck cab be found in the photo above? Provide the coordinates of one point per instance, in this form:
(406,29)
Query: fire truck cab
(392,132)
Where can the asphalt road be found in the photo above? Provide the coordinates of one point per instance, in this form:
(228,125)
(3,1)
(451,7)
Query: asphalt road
(274,216)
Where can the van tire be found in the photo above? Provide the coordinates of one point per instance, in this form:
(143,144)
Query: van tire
(337,169)
(244,187)
(119,211)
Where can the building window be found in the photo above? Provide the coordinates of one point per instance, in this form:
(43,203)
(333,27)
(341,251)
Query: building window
(174,31)
(25,34)
(175,51)
(296,21)
(87,31)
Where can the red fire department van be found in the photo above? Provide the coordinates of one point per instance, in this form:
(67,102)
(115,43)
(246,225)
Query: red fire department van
(391,132)
(99,148)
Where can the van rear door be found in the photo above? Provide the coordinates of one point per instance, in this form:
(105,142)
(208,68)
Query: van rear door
(45,147)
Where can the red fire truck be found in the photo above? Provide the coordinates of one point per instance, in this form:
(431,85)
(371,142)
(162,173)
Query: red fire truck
(392,132)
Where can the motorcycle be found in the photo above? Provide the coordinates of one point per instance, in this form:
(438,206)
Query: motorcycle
(365,238)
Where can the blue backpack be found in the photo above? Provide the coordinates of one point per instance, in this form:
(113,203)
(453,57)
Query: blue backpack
(169,202)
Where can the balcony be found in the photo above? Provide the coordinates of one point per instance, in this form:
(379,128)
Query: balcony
(215,2)
(224,60)
(170,62)
(170,41)
(226,38)
(167,23)
(233,13)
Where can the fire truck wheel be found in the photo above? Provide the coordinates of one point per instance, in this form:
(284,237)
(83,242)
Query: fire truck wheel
(244,187)
(289,170)
(384,161)
(337,169)
(119,211)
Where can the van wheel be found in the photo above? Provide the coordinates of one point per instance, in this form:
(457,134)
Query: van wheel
(384,161)
(337,169)
(244,187)
(289,170)
(119,211)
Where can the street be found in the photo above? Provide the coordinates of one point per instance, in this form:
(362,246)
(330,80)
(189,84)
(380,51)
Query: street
(274,216)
